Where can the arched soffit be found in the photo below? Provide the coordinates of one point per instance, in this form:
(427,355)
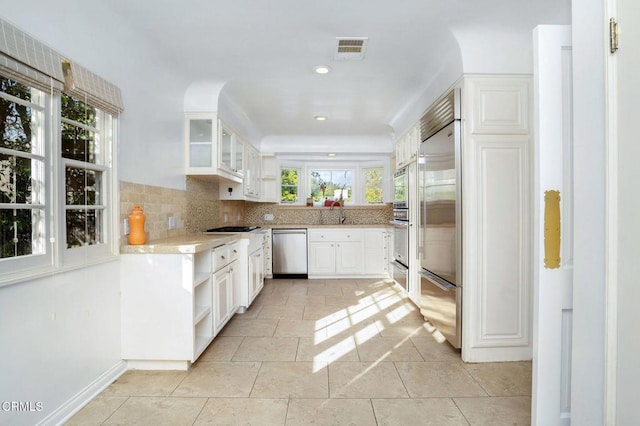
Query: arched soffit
(203,96)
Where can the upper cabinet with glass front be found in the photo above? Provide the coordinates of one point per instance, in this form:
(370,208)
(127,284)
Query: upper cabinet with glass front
(210,148)
(231,151)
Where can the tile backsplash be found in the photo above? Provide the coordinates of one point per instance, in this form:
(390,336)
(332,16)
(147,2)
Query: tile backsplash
(301,215)
(199,208)
(195,209)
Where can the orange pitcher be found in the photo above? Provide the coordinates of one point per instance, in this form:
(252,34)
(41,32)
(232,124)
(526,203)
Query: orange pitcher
(136,226)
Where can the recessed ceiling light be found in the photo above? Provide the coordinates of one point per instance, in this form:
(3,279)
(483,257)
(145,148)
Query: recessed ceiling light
(320,117)
(331,154)
(322,69)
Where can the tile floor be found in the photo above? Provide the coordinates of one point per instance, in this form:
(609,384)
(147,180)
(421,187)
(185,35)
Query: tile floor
(323,352)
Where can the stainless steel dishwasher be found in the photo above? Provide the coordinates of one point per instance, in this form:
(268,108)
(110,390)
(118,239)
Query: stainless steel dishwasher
(290,253)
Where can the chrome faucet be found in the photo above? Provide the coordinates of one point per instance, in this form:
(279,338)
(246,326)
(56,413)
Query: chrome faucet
(342,218)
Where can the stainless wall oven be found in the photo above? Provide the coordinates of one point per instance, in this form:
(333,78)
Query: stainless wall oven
(400,264)
(401,189)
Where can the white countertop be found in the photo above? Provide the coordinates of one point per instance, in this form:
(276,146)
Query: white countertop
(186,244)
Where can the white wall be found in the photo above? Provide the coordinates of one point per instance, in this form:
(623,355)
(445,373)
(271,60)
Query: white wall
(151,126)
(60,334)
(57,336)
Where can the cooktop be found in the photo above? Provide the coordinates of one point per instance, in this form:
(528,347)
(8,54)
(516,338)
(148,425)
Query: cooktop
(233,229)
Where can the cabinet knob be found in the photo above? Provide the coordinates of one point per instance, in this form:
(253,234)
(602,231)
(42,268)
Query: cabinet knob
(222,257)
(235,251)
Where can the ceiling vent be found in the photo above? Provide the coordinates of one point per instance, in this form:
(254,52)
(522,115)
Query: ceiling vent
(350,48)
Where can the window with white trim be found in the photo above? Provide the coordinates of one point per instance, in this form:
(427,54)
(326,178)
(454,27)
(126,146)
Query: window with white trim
(331,185)
(86,164)
(23,218)
(58,124)
(289,185)
(373,183)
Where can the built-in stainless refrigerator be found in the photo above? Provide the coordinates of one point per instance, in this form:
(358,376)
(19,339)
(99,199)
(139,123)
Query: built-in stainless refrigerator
(440,210)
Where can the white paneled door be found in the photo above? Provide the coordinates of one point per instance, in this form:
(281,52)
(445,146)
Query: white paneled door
(553,285)
(623,210)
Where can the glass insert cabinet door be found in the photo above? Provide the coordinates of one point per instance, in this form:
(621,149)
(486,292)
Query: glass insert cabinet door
(201,141)
(226,144)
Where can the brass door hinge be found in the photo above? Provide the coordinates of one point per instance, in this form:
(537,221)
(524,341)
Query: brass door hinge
(613,35)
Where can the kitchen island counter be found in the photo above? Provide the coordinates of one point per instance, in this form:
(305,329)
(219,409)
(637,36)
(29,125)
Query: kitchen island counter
(192,243)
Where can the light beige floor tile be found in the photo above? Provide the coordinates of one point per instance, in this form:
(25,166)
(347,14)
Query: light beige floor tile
(330,412)
(365,380)
(221,349)
(157,411)
(427,412)
(291,380)
(219,379)
(267,349)
(145,383)
(291,290)
(503,378)
(251,313)
(296,299)
(412,327)
(344,284)
(329,350)
(388,349)
(264,299)
(434,350)
(342,301)
(363,312)
(324,312)
(281,312)
(496,411)
(363,330)
(243,411)
(438,379)
(324,291)
(301,328)
(97,411)
(255,327)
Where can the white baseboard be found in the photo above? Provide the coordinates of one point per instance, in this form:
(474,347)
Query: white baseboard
(82,398)
(134,364)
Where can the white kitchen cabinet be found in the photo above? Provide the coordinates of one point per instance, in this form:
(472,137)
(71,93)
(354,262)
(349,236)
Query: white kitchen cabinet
(222,282)
(251,269)
(376,251)
(349,258)
(270,191)
(497,182)
(322,258)
(209,147)
(225,261)
(407,147)
(231,151)
(250,187)
(347,252)
(267,253)
(252,175)
(167,308)
(256,273)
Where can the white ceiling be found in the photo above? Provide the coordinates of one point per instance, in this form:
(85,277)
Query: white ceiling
(265,51)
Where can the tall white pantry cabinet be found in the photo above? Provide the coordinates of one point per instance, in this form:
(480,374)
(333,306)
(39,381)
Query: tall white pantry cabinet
(497,185)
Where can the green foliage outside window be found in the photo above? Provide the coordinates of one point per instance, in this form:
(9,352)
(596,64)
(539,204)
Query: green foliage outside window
(289,185)
(374,178)
(15,170)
